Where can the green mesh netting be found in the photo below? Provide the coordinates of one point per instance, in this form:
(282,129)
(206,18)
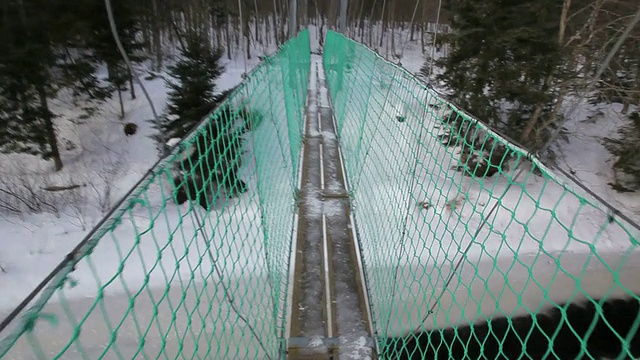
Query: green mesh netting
(409,157)
(207,279)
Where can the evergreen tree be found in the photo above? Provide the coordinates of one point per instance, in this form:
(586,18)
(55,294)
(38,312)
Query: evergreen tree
(26,60)
(501,54)
(21,123)
(619,84)
(215,157)
(78,64)
(192,95)
(39,55)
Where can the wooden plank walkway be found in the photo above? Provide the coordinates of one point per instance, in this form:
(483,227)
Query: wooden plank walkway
(329,318)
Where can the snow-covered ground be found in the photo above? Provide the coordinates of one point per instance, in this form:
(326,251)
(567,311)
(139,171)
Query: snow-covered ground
(581,152)
(105,159)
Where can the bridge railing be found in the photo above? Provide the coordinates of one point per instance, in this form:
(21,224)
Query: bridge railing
(456,225)
(205,279)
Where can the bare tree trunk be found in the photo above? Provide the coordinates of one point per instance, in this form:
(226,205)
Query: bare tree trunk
(361,26)
(303,13)
(51,132)
(283,24)
(207,8)
(588,55)
(173,26)
(274,18)
(332,15)
(178,35)
(257,25)
(133,89)
(246,26)
(357,19)
(157,40)
(146,29)
(322,25)
(47,116)
(293,18)
(227,35)
(121,102)
(264,30)
(241,25)
(564,89)
(352,13)
(218,32)
(383,26)
(392,15)
(237,32)
(267,30)
(343,16)
(371,23)
(423,25)
(188,15)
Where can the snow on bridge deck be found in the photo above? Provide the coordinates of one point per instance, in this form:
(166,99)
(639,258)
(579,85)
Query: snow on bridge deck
(329,309)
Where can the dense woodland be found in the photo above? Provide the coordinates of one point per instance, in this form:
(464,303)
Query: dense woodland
(517,64)
(513,64)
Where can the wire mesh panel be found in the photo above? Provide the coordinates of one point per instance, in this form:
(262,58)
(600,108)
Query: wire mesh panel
(467,244)
(194,263)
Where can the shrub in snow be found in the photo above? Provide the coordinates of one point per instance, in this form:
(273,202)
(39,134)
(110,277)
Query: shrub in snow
(625,149)
(23,194)
(209,168)
(481,155)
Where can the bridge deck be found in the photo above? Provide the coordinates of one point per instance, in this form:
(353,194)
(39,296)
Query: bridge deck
(329,317)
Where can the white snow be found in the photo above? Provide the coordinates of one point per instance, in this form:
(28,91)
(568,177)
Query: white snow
(355,348)
(173,142)
(316,341)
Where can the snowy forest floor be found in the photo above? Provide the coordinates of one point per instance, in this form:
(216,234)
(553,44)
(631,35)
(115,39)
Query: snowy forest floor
(109,163)
(104,159)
